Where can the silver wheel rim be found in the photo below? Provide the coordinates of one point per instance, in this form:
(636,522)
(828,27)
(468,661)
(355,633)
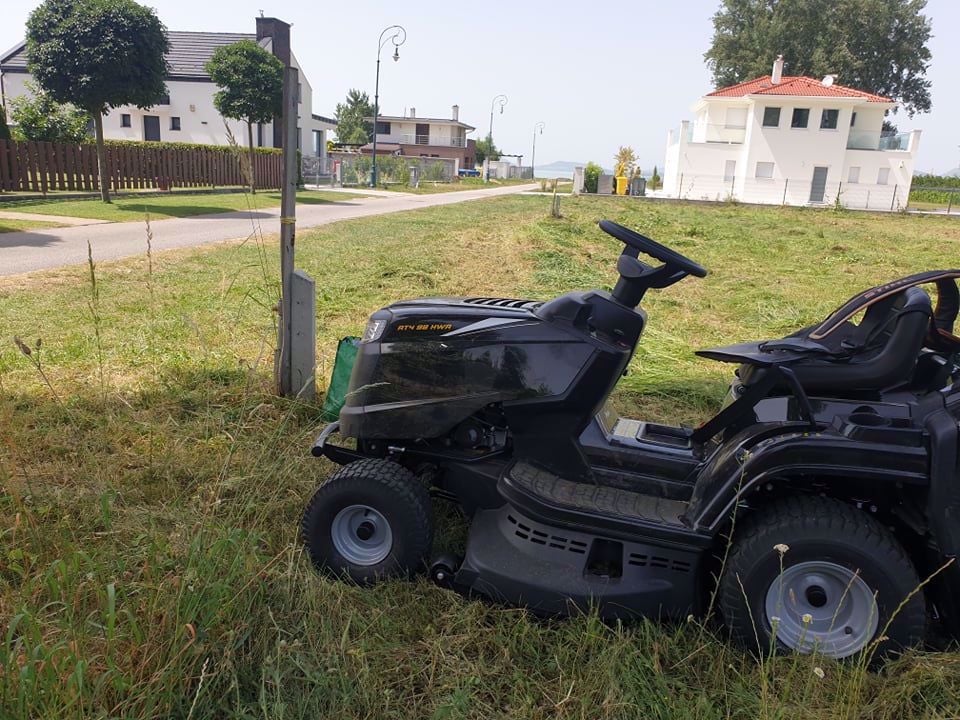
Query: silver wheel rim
(821,606)
(361,535)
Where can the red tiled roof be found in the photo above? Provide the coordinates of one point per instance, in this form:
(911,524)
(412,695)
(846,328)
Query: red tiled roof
(796,85)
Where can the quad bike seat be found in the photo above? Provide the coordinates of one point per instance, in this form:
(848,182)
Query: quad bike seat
(841,358)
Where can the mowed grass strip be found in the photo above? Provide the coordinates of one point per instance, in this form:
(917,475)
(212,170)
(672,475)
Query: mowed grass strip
(159,206)
(151,484)
(8,225)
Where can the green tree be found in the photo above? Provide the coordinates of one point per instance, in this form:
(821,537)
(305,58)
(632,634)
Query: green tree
(655,181)
(486,148)
(251,87)
(591,177)
(39,117)
(875,45)
(4,130)
(351,126)
(98,54)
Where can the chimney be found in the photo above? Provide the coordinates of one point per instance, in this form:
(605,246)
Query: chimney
(456,113)
(777,70)
(413,112)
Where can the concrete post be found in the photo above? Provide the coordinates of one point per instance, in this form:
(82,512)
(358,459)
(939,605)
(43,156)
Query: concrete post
(577,180)
(303,339)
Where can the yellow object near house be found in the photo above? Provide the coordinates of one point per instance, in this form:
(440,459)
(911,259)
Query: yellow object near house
(621,185)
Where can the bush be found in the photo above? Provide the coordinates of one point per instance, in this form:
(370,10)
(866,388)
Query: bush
(591,177)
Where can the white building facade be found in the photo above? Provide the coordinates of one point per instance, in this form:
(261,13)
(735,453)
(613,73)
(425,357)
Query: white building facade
(792,141)
(187,113)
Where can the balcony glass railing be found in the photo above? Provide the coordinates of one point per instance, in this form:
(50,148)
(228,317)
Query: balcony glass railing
(441,141)
(860,140)
(710,133)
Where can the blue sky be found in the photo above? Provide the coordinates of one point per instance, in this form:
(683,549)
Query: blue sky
(599,74)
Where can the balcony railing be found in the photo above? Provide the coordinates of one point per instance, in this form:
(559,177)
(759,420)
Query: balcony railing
(710,133)
(879,140)
(423,140)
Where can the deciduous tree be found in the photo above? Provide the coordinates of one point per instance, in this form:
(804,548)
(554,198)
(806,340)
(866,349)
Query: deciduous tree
(39,117)
(875,45)
(97,55)
(251,87)
(487,148)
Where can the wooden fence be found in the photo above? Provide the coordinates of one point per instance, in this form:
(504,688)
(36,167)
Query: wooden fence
(45,167)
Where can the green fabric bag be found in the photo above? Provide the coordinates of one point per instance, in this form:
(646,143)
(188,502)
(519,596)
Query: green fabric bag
(340,380)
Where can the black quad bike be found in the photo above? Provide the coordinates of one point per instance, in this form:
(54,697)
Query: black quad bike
(819,497)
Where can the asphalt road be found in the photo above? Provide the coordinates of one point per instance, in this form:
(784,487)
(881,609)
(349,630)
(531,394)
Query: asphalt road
(22,252)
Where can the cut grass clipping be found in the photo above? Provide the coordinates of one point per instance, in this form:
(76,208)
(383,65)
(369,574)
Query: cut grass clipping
(149,559)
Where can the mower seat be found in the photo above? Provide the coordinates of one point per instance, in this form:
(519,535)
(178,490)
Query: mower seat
(878,353)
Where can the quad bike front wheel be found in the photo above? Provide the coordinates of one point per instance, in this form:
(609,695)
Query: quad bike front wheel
(813,574)
(371,520)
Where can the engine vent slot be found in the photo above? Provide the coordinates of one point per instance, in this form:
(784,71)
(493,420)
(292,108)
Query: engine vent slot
(539,537)
(502,302)
(656,561)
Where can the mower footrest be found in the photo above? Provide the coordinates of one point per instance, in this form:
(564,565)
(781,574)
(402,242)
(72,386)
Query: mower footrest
(598,499)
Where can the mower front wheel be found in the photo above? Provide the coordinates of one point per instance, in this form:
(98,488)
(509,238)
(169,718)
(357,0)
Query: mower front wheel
(370,521)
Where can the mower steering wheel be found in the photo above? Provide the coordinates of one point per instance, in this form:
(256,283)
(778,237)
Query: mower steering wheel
(640,243)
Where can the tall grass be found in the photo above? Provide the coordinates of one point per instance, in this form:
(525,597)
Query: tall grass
(149,559)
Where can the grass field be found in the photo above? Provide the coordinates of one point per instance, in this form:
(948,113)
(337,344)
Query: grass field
(161,206)
(151,485)
(8,225)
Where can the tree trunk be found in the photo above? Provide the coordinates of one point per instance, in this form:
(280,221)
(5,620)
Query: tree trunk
(253,182)
(101,156)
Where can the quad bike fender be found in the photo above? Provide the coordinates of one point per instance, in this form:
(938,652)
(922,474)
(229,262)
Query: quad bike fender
(754,457)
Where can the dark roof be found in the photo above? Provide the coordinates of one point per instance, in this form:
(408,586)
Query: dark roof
(321,118)
(189,52)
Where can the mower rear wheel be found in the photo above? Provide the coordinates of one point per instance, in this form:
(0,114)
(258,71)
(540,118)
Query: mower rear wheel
(370,521)
(814,574)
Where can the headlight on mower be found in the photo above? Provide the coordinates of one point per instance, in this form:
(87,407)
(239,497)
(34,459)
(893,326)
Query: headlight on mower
(374,330)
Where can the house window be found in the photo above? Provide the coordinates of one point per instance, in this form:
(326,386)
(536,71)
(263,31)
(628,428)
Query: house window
(883,176)
(174,123)
(764,170)
(801,116)
(828,119)
(854,176)
(729,170)
(299,92)
(125,120)
(853,118)
(383,128)
(771,117)
(164,99)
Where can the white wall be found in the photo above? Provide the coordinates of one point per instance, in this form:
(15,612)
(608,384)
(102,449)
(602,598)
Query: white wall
(192,103)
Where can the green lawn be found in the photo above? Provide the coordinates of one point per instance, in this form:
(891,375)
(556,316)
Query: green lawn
(178,204)
(151,485)
(7,225)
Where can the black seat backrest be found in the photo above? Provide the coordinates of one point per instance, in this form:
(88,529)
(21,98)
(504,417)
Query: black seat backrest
(884,348)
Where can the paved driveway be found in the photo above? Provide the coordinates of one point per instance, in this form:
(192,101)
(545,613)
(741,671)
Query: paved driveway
(22,252)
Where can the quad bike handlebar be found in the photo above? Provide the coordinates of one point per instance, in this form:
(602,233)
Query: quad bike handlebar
(636,276)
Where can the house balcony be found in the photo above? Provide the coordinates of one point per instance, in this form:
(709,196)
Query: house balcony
(879,140)
(433,140)
(711,133)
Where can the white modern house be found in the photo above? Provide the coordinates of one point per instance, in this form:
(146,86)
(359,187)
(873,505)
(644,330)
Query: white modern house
(186,113)
(791,140)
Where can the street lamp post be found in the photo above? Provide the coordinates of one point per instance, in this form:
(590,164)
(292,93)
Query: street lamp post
(398,38)
(533,157)
(502,99)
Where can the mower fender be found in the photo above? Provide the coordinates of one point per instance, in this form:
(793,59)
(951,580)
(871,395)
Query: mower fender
(752,458)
